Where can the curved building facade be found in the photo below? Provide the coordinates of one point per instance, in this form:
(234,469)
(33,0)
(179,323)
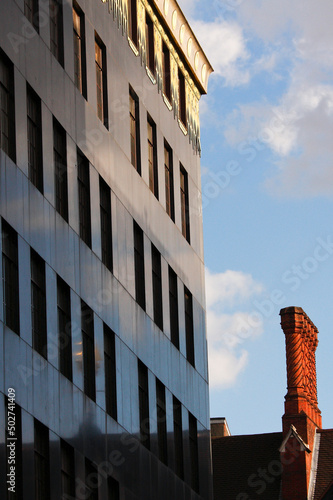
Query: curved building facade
(103,352)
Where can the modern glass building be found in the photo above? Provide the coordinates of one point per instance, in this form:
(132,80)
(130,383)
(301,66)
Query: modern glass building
(103,354)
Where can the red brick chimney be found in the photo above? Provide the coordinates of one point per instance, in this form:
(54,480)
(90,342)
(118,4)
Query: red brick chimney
(302,416)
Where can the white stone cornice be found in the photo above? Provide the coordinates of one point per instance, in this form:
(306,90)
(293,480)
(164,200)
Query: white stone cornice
(186,41)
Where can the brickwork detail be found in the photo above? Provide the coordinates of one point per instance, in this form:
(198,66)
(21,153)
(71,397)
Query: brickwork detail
(301,344)
(301,404)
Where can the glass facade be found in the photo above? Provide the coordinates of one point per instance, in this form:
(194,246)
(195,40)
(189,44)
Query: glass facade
(102,324)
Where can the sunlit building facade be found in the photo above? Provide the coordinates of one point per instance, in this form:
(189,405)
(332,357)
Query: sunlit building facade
(103,353)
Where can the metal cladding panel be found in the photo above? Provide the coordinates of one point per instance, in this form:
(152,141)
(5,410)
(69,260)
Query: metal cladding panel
(67,422)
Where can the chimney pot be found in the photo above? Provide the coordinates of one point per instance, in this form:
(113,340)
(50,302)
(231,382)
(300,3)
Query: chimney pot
(301,406)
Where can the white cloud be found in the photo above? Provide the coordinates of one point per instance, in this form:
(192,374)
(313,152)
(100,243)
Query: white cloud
(225,367)
(245,122)
(188,7)
(300,132)
(270,19)
(298,124)
(298,129)
(227,332)
(225,47)
(226,288)
(301,107)
(232,330)
(309,171)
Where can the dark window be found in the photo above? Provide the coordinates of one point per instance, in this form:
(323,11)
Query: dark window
(182,97)
(184,204)
(152,156)
(144,404)
(84,197)
(57,30)
(113,489)
(133,21)
(60,169)
(135,130)
(88,350)
(139,266)
(7,108)
(161,422)
(38,304)
(10,282)
(193,437)
(64,328)
(42,462)
(31,12)
(173,308)
(178,438)
(13,441)
(92,481)
(80,77)
(110,372)
(34,123)
(157,286)
(150,51)
(101,82)
(168,175)
(189,326)
(166,72)
(106,223)
(67,471)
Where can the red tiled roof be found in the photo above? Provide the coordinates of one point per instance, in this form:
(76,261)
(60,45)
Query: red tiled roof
(247,467)
(324,479)
(329,493)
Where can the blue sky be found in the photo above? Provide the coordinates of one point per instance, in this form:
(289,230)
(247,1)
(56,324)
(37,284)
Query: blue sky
(267,182)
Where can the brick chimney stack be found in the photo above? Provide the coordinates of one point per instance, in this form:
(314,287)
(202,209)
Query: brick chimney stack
(302,416)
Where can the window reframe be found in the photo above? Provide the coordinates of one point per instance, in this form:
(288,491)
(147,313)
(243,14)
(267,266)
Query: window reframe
(106,224)
(10,286)
(34,138)
(139,265)
(184,204)
(143,404)
(189,326)
(64,327)
(80,76)
(110,371)
(88,350)
(60,169)
(152,156)
(57,30)
(101,81)
(157,286)
(38,303)
(169,181)
(134,115)
(83,183)
(7,113)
